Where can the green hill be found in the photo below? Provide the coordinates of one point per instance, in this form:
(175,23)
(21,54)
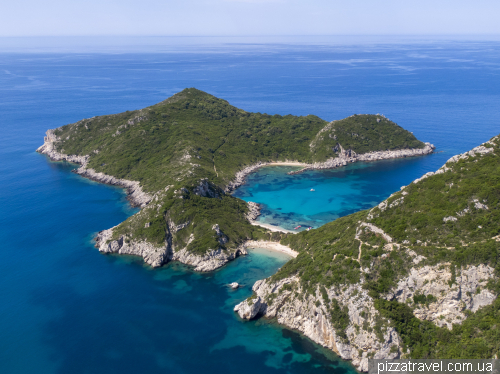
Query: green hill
(425,262)
(192,138)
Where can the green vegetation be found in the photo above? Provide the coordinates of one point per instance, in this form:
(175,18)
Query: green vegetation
(478,337)
(183,138)
(449,218)
(468,191)
(455,193)
(193,136)
(363,133)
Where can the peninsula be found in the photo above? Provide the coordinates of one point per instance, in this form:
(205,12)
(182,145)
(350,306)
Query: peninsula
(417,276)
(180,159)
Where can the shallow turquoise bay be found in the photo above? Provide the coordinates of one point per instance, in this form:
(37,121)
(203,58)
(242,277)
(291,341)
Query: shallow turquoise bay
(288,202)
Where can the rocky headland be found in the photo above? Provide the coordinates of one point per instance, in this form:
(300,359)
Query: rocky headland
(355,285)
(135,193)
(343,158)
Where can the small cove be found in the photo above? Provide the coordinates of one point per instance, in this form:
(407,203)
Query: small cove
(287,200)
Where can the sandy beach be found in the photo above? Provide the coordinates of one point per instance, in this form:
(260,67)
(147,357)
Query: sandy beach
(272,228)
(286,163)
(240,176)
(272,246)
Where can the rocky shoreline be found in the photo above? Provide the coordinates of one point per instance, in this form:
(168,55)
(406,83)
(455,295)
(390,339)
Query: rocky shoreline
(135,194)
(153,255)
(239,178)
(159,255)
(344,158)
(283,300)
(348,156)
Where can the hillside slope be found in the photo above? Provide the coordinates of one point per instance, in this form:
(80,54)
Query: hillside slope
(179,158)
(416,276)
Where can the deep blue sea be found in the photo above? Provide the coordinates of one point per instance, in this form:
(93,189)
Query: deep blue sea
(65,308)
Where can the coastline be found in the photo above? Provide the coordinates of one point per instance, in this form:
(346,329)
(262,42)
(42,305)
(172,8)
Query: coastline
(273,246)
(349,156)
(286,163)
(254,213)
(273,228)
(344,158)
(241,175)
(214,259)
(135,194)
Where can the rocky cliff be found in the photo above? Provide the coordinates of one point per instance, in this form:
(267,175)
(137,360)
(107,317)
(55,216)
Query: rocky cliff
(368,335)
(158,255)
(135,193)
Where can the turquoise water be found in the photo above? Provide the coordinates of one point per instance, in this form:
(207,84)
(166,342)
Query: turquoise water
(65,308)
(288,202)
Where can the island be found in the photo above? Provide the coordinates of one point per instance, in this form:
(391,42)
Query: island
(417,276)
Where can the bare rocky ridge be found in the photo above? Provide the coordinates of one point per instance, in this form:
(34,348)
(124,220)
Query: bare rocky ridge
(468,292)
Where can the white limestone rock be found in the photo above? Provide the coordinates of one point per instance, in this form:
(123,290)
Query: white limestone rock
(253,211)
(221,237)
(348,156)
(205,189)
(249,308)
(469,292)
(154,256)
(310,316)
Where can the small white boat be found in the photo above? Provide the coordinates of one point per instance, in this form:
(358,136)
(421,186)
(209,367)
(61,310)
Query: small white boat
(312,190)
